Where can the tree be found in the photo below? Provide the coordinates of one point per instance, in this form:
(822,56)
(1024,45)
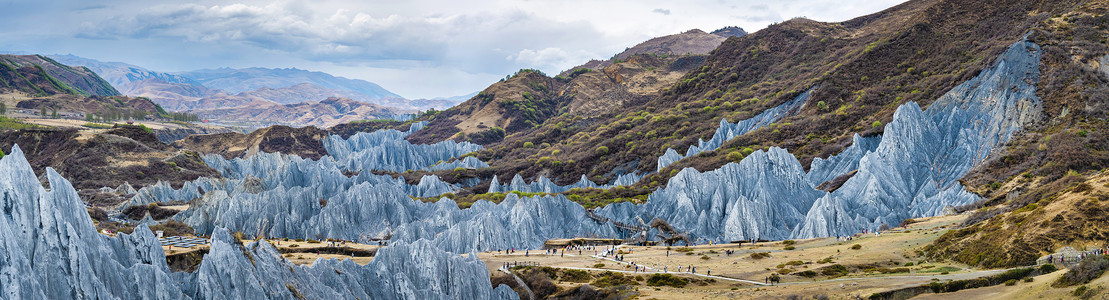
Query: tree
(3,109)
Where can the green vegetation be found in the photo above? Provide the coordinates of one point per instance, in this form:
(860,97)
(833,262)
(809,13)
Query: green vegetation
(147,129)
(465,201)
(575,276)
(97,125)
(666,280)
(601,151)
(14,124)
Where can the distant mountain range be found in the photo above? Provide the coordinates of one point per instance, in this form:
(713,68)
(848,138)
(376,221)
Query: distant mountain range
(218,93)
(329,112)
(249,79)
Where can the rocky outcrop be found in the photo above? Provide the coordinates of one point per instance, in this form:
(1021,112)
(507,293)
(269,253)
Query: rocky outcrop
(728,131)
(544,185)
(388,150)
(824,170)
(52,251)
(910,171)
(914,172)
(521,223)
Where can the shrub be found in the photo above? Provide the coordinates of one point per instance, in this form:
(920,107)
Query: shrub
(735,156)
(876,124)
(790,248)
(575,276)
(1048,268)
(1029,279)
(602,150)
(599,265)
(1088,269)
(856,247)
(704,257)
(1079,291)
(760,255)
(788,242)
(608,279)
(666,280)
(1011,282)
(834,270)
(807,273)
(529,145)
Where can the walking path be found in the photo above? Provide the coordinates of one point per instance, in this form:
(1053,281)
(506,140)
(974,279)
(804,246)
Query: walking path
(606,252)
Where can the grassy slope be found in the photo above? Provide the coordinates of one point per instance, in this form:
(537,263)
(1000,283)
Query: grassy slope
(863,70)
(1047,189)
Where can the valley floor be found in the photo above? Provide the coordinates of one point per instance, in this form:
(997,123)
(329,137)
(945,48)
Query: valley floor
(880,263)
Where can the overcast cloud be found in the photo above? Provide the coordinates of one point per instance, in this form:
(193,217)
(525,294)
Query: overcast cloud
(414,48)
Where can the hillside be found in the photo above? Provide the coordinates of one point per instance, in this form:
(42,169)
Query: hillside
(859,71)
(692,42)
(242,80)
(329,112)
(38,75)
(125,154)
(1047,190)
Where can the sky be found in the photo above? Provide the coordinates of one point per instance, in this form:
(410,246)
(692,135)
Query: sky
(417,49)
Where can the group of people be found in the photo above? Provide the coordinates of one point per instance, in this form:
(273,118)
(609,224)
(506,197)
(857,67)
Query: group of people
(509,265)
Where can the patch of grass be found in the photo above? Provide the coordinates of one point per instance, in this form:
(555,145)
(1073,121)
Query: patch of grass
(97,125)
(666,280)
(575,276)
(760,255)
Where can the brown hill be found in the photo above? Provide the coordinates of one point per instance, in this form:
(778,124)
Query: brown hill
(326,113)
(692,42)
(108,159)
(305,142)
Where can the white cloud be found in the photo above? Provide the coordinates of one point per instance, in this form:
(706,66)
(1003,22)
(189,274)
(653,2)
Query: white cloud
(551,58)
(452,38)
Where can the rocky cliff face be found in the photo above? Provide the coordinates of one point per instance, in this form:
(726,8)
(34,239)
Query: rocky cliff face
(52,251)
(388,150)
(728,131)
(912,171)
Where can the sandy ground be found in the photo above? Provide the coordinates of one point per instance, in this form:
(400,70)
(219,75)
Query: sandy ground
(305,255)
(737,275)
